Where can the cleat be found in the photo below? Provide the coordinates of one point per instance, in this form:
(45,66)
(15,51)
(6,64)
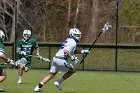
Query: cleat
(1,90)
(58,85)
(19,81)
(37,89)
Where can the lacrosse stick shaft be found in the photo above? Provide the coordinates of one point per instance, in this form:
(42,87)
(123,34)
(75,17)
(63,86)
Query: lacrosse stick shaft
(43,58)
(104,29)
(4,63)
(89,50)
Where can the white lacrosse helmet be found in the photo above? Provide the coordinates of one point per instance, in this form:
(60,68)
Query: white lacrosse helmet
(75,33)
(2,35)
(26,34)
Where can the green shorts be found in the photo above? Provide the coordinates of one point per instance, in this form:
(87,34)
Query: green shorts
(28,65)
(1,69)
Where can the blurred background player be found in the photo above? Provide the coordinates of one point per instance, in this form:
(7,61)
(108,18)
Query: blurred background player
(3,74)
(61,62)
(25,47)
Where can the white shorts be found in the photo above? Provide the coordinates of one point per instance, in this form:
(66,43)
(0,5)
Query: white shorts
(60,65)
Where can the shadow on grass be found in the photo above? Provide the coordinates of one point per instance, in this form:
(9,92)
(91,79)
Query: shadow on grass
(3,91)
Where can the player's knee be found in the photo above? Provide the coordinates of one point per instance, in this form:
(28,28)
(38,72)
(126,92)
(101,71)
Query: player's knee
(52,75)
(26,70)
(3,77)
(71,71)
(22,67)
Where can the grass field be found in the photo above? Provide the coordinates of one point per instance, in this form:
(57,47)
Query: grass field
(81,82)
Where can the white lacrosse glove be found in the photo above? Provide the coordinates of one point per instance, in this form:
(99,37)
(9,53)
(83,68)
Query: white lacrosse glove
(75,59)
(23,53)
(46,59)
(39,57)
(10,61)
(85,52)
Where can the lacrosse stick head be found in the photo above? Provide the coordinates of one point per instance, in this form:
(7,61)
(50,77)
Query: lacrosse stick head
(106,27)
(21,61)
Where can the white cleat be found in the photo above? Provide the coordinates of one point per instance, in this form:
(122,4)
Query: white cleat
(19,81)
(37,89)
(58,85)
(1,90)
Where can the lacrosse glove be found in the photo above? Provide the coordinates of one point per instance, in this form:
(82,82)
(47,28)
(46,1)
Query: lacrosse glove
(85,52)
(46,59)
(23,53)
(39,57)
(75,59)
(10,61)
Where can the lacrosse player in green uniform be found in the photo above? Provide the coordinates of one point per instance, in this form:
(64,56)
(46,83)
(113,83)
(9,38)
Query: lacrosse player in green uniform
(25,48)
(3,74)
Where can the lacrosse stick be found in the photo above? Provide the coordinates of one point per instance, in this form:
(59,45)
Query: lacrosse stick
(11,62)
(4,63)
(40,58)
(104,29)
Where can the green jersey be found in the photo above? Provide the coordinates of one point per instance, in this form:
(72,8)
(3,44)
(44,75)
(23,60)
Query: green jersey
(1,50)
(27,46)
(1,47)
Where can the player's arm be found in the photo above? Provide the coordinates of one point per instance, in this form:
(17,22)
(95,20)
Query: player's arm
(72,57)
(77,51)
(2,56)
(67,53)
(18,49)
(36,47)
(37,50)
(20,52)
(6,59)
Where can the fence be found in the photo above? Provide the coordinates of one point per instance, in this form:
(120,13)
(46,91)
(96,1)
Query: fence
(101,57)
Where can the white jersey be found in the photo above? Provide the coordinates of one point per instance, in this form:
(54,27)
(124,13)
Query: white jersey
(58,62)
(69,44)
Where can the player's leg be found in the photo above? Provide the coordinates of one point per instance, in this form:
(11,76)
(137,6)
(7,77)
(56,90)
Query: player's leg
(44,81)
(53,72)
(64,77)
(3,76)
(20,73)
(24,68)
(68,68)
(67,74)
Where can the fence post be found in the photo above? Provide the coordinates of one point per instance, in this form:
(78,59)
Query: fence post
(83,63)
(49,56)
(116,49)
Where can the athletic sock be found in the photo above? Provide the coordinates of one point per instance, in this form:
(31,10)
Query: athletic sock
(60,80)
(20,78)
(40,85)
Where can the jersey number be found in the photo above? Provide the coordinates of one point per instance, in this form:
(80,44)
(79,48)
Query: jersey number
(63,45)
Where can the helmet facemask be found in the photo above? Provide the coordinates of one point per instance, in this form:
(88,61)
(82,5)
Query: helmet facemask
(75,34)
(26,34)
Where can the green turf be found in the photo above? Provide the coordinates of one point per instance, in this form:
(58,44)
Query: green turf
(80,82)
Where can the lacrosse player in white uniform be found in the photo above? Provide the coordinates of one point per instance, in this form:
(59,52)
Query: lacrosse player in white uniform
(61,62)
